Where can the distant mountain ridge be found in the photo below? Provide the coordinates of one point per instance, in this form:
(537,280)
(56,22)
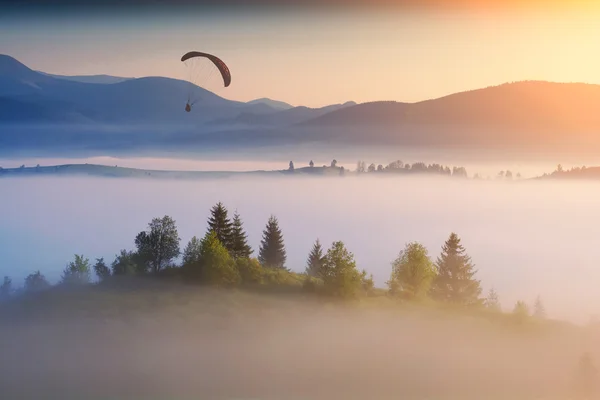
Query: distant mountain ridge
(99,79)
(531,114)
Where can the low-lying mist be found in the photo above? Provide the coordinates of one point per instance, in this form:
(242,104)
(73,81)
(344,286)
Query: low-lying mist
(526,238)
(223,345)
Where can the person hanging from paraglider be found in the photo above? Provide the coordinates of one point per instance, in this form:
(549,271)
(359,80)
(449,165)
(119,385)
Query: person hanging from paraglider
(221,66)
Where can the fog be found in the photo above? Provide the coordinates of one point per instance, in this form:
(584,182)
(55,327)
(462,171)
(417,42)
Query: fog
(217,345)
(526,238)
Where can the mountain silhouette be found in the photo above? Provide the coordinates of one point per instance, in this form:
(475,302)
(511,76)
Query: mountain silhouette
(141,100)
(511,115)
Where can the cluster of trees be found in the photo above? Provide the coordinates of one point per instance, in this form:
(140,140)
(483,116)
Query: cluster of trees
(418,167)
(223,257)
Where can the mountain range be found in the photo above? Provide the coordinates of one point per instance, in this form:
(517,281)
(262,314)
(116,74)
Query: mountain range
(41,109)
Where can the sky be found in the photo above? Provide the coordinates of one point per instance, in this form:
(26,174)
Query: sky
(316,55)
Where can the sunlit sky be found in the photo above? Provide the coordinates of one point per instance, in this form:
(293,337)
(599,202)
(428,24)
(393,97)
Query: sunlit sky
(318,57)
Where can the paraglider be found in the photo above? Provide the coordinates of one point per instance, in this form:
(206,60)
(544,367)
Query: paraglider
(202,68)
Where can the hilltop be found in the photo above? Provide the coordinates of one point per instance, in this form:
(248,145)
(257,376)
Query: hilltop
(46,112)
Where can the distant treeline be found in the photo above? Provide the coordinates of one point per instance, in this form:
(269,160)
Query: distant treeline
(223,258)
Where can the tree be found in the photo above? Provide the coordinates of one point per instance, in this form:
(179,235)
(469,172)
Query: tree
(159,245)
(379,168)
(291,167)
(311,164)
(126,263)
(508,175)
(360,167)
(371,168)
(539,311)
(36,282)
(77,272)
(412,272)
(6,289)
(333,163)
(220,224)
(191,253)
(342,171)
(102,271)
(341,278)
(217,267)
(492,301)
(250,270)
(367,282)
(239,239)
(454,282)
(314,264)
(272,252)
(521,309)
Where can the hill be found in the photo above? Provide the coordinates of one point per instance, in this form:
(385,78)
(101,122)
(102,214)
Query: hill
(39,110)
(99,79)
(141,100)
(531,112)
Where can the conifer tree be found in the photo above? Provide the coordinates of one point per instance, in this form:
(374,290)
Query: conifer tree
(220,224)
(272,252)
(239,239)
(315,260)
(454,282)
(492,301)
(539,311)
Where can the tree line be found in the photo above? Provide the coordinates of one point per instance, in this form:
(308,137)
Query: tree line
(223,257)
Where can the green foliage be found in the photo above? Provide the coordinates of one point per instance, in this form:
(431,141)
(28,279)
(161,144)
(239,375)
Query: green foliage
(220,224)
(250,270)
(6,289)
(367,283)
(158,246)
(315,260)
(239,239)
(126,263)
(340,275)
(217,266)
(101,269)
(191,253)
(272,252)
(412,272)
(77,272)
(36,282)
(492,301)
(454,282)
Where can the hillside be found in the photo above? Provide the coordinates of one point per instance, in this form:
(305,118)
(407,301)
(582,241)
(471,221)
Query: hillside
(522,112)
(142,100)
(148,113)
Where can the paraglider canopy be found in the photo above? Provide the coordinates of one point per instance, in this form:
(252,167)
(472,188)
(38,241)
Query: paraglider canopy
(206,71)
(222,67)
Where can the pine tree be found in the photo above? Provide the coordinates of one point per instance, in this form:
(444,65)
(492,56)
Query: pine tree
(492,301)
(454,282)
(315,260)
(239,239)
(539,311)
(272,252)
(220,224)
